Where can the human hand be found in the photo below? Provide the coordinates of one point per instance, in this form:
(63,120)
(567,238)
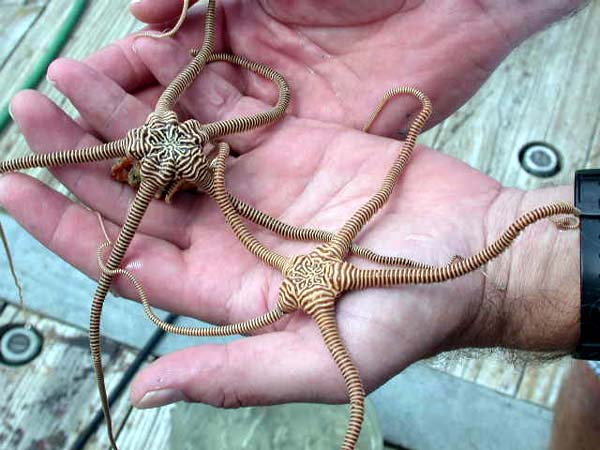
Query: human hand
(341,56)
(190,262)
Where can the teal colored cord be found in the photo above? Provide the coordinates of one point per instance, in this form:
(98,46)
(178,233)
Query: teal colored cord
(56,46)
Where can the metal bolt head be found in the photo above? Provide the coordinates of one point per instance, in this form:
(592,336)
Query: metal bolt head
(540,159)
(19,344)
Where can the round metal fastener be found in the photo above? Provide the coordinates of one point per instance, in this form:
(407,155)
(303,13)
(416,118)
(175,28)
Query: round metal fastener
(540,159)
(19,345)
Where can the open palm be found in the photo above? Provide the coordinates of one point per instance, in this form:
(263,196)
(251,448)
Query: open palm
(313,169)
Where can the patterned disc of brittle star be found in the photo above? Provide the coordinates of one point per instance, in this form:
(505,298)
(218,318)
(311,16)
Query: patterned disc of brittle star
(314,282)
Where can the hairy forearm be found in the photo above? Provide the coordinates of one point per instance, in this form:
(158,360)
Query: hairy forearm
(531,294)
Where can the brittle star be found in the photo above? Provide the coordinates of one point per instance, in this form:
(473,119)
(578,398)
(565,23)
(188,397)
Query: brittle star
(315,281)
(170,154)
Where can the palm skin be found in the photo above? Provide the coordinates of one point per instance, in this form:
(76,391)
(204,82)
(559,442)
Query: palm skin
(341,56)
(313,169)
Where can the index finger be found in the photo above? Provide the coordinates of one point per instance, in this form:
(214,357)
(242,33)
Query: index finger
(120,62)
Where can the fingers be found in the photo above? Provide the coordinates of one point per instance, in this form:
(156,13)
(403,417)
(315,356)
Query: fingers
(73,232)
(157,11)
(270,368)
(46,127)
(216,94)
(119,62)
(104,105)
(217,280)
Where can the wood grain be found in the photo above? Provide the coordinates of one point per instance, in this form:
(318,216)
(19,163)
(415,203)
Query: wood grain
(48,402)
(547,90)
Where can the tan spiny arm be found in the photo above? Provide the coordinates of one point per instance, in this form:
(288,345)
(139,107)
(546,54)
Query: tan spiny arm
(101,152)
(221,196)
(358,279)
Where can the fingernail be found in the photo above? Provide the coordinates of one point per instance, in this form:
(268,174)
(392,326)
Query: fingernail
(10,113)
(154,399)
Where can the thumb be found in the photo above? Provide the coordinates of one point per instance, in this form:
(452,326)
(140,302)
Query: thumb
(273,368)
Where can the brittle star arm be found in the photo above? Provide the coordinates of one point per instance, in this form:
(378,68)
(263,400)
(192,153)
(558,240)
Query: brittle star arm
(11,266)
(341,243)
(308,234)
(184,79)
(357,279)
(144,196)
(221,196)
(313,234)
(110,150)
(244,328)
(222,128)
(327,323)
(172,31)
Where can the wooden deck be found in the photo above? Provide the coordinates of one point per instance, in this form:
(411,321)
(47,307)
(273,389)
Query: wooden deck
(547,91)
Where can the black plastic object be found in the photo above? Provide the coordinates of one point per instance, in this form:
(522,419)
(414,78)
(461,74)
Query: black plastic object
(19,344)
(587,199)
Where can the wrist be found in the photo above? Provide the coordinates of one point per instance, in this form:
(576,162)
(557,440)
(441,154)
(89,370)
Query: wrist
(522,19)
(531,293)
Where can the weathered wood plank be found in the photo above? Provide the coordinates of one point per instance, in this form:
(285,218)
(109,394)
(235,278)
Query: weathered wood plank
(541,382)
(491,371)
(15,20)
(48,402)
(293,426)
(547,90)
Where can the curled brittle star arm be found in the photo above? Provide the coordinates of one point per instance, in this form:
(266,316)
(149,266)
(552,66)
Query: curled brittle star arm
(356,279)
(173,91)
(390,94)
(340,244)
(101,152)
(221,128)
(144,196)
(327,324)
(172,31)
(313,234)
(221,196)
(244,328)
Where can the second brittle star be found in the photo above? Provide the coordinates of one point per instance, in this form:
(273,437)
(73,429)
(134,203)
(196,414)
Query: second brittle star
(314,282)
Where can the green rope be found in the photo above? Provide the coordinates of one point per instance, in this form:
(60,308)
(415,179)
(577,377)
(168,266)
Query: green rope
(56,46)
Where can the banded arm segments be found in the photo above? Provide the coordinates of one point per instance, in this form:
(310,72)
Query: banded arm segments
(244,328)
(341,243)
(184,79)
(173,31)
(221,196)
(326,321)
(313,234)
(357,279)
(222,128)
(139,206)
(110,150)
